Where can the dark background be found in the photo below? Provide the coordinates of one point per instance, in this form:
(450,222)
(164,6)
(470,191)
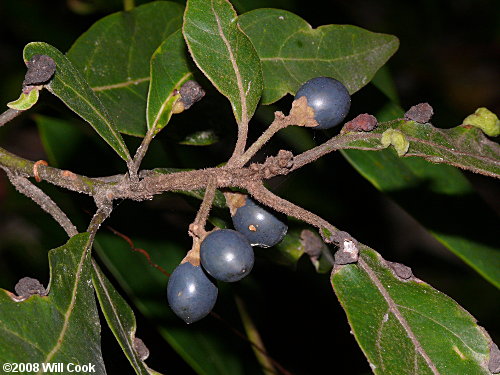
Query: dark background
(449,56)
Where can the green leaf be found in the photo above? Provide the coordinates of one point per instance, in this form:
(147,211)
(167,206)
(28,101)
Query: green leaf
(403,325)
(292,52)
(201,138)
(169,71)
(120,318)
(25,101)
(224,54)
(207,346)
(62,327)
(114,56)
(69,86)
(59,138)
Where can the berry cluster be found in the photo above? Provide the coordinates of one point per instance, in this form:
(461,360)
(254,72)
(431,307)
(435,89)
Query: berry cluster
(227,254)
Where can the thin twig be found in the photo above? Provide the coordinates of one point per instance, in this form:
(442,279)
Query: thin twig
(197,227)
(140,153)
(103,211)
(280,122)
(24,186)
(328,232)
(338,142)
(58,177)
(9,115)
(206,204)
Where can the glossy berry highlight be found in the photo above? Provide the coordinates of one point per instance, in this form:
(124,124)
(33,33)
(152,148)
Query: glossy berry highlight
(226,255)
(190,293)
(260,226)
(329,99)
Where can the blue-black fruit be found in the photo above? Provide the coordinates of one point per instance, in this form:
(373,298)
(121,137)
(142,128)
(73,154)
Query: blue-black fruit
(226,255)
(190,293)
(329,99)
(260,226)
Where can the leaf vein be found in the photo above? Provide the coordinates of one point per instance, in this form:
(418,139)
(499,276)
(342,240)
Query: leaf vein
(393,307)
(71,306)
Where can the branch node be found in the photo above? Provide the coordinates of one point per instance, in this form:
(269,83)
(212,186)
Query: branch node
(274,165)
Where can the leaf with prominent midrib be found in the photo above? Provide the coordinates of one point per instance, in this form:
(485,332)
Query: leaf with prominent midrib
(403,325)
(69,86)
(292,52)
(224,54)
(169,71)
(114,56)
(120,318)
(62,327)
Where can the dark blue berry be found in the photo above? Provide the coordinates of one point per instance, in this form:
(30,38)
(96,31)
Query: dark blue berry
(260,226)
(329,98)
(190,293)
(226,255)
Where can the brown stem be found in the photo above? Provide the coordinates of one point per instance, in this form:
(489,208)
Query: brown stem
(58,177)
(328,232)
(103,211)
(9,115)
(198,225)
(24,186)
(280,122)
(333,144)
(245,338)
(140,153)
(241,143)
